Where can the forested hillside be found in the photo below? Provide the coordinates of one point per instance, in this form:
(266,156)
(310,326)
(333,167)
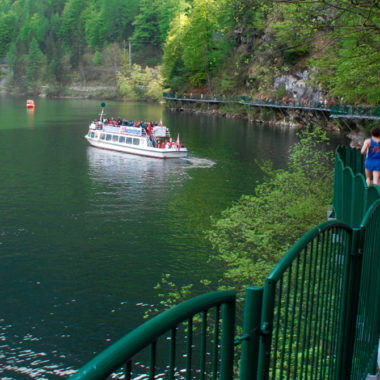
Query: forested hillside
(209,46)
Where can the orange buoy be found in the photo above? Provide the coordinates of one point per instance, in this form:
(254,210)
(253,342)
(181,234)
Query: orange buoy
(30,103)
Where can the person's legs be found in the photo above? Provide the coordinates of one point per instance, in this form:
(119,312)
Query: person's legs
(376,177)
(368,176)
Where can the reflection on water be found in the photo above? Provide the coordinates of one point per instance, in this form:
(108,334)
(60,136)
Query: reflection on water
(106,165)
(138,182)
(25,363)
(109,165)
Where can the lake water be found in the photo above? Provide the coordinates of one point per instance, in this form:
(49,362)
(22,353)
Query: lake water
(85,234)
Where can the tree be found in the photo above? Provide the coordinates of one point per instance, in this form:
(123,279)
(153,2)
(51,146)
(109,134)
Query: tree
(7,31)
(350,66)
(174,71)
(35,64)
(72,29)
(195,46)
(138,83)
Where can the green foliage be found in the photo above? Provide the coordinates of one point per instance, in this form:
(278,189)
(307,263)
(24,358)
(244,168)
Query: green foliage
(140,84)
(94,26)
(97,58)
(7,30)
(257,230)
(173,68)
(224,46)
(351,69)
(253,234)
(195,47)
(34,60)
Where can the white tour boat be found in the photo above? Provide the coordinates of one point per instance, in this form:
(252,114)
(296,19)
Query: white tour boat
(134,138)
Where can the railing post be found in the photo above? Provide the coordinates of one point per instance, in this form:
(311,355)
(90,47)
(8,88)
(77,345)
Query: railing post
(228,332)
(266,329)
(251,333)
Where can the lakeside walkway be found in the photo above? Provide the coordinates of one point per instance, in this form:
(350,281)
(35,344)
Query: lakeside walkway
(334,110)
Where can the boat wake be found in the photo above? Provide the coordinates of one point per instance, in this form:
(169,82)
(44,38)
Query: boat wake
(196,162)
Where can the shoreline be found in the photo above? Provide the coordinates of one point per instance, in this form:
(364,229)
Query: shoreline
(291,119)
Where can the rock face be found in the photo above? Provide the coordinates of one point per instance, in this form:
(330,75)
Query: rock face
(357,137)
(298,86)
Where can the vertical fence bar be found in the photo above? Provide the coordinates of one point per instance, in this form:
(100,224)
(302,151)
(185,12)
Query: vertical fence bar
(128,370)
(189,348)
(215,350)
(276,324)
(152,360)
(172,353)
(251,333)
(202,365)
(228,331)
(286,318)
(295,301)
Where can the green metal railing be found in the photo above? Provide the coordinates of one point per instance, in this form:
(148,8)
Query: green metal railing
(352,197)
(317,317)
(219,342)
(333,109)
(368,314)
(305,305)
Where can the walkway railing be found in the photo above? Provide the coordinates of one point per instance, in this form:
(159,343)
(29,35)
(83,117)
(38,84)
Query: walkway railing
(352,197)
(216,336)
(333,109)
(317,317)
(367,332)
(305,305)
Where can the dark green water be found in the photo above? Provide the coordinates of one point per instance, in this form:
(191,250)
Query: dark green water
(85,234)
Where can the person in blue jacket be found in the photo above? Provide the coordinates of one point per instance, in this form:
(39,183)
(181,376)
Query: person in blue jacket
(371,148)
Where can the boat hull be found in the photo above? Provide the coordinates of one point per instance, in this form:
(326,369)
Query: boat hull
(138,150)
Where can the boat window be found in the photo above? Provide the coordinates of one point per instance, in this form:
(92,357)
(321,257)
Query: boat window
(115,138)
(92,134)
(121,139)
(136,141)
(102,135)
(129,140)
(108,137)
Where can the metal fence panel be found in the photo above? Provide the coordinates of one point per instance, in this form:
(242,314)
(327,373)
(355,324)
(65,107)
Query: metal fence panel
(304,307)
(367,327)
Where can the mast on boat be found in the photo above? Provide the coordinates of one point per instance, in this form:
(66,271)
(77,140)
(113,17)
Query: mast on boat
(103,105)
